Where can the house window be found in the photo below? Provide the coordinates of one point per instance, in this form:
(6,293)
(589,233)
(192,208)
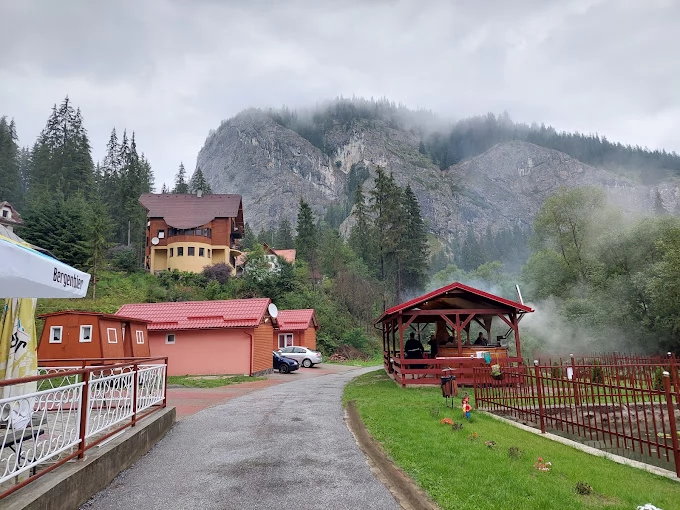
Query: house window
(172,252)
(112,335)
(285,340)
(161,234)
(208,252)
(85,333)
(170,338)
(5,213)
(199,232)
(140,337)
(180,251)
(201,252)
(191,251)
(55,334)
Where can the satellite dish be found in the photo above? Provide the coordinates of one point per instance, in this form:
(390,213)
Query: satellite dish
(273,311)
(154,241)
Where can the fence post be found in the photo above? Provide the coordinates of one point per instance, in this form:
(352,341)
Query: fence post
(671,416)
(539,394)
(577,397)
(135,380)
(84,412)
(674,378)
(165,384)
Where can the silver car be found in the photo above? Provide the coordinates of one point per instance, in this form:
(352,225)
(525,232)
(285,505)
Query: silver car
(306,357)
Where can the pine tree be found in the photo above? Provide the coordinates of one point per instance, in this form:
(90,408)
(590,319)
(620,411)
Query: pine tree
(164,189)
(10,176)
(284,236)
(198,182)
(307,240)
(97,240)
(659,209)
(415,265)
(181,185)
(361,238)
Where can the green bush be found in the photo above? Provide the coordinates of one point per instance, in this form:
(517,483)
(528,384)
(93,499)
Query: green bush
(596,374)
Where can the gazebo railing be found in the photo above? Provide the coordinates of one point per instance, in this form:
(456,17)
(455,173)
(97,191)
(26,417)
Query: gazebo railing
(70,409)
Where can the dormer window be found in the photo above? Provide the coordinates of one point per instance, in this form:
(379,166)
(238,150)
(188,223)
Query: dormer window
(6,213)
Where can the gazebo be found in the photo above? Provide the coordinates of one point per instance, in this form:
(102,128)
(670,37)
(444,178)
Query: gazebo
(453,310)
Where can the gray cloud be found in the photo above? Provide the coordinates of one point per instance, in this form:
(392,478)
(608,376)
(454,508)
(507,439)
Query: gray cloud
(172,70)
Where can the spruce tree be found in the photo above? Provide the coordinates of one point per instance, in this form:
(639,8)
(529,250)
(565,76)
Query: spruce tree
(361,239)
(181,185)
(164,189)
(284,236)
(415,265)
(10,177)
(307,240)
(198,182)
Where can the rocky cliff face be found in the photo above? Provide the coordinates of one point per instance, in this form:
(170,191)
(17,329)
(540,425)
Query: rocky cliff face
(273,167)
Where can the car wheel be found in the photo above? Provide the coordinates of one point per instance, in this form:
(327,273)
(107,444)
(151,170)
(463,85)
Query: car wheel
(283,368)
(307,363)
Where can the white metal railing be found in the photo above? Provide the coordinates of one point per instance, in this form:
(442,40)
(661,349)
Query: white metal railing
(70,411)
(37,427)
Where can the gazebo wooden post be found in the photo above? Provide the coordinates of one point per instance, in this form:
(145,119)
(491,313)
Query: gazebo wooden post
(459,335)
(401,347)
(515,327)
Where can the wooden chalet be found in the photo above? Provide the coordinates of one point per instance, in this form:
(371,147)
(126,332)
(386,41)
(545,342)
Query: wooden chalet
(453,310)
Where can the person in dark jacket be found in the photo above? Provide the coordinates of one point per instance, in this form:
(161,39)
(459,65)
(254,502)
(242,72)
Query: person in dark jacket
(434,347)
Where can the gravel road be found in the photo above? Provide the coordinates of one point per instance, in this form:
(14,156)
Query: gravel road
(286,446)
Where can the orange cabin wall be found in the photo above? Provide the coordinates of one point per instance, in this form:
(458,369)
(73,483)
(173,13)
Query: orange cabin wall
(262,342)
(70,346)
(130,345)
(303,338)
(205,352)
(309,338)
(109,349)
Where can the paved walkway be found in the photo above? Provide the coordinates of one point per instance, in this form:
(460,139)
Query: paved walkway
(282,446)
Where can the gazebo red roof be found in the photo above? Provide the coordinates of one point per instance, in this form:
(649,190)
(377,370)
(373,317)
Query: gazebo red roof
(233,313)
(296,320)
(477,294)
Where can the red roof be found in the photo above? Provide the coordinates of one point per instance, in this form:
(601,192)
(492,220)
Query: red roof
(414,303)
(189,211)
(297,320)
(108,316)
(287,255)
(233,313)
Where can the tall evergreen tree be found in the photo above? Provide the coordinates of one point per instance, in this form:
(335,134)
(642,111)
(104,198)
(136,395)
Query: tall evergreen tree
(307,240)
(10,173)
(164,189)
(361,239)
(284,236)
(181,185)
(61,156)
(198,182)
(415,265)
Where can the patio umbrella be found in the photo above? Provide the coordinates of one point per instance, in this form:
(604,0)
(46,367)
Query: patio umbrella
(18,358)
(25,272)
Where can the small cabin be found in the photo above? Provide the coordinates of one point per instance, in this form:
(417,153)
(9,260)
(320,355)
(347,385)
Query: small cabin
(296,327)
(75,334)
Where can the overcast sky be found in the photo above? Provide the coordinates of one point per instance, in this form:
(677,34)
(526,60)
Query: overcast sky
(171,70)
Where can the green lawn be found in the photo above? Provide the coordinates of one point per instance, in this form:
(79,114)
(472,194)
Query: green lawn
(209,381)
(377,360)
(461,472)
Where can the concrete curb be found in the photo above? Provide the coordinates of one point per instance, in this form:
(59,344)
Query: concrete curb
(589,449)
(74,483)
(403,488)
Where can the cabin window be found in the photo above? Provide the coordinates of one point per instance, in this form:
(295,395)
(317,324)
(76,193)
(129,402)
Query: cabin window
(55,334)
(285,340)
(85,333)
(191,251)
(180,251)
(170,338)
(201,252)
(199,232)
(112,335)
(140,337)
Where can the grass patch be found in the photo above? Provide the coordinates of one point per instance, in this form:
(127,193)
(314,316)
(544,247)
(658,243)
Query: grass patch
(191,381)
(376,360)
(459,469)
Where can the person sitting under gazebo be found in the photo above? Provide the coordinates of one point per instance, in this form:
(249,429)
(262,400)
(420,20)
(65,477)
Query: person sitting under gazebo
(413,349)
(480,339)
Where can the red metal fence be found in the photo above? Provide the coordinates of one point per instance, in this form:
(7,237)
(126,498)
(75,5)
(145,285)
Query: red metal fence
(49,419)
(630,409)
